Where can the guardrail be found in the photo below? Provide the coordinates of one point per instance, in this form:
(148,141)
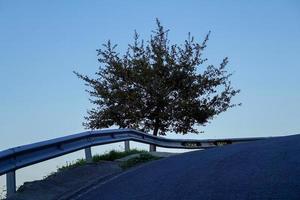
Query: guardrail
(22,156)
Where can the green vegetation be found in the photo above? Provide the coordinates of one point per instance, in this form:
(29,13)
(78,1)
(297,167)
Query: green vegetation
(144,157)
(73,164)
(114,155)
(110,156)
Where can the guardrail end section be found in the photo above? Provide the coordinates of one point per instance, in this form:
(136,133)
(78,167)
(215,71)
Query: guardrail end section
(10,183)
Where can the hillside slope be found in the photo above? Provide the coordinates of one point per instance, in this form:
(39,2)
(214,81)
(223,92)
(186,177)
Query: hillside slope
(268,169)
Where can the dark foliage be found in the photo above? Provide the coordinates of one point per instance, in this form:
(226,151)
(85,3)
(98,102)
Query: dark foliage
(142,158)
(157,86)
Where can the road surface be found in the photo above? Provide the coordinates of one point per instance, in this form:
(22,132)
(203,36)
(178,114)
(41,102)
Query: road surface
(268,169)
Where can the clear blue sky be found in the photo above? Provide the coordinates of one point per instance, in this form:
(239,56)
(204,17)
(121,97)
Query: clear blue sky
(42,42)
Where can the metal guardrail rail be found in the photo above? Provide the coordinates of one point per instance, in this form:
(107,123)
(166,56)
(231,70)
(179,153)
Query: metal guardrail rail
(22,156)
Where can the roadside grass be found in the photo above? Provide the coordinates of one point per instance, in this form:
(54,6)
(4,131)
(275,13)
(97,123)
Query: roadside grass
(142,158)
(71,165)
(110,156)
(114,155)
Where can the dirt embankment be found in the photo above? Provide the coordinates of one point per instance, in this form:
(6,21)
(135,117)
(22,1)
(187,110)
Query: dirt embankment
(64,184)
(70,182)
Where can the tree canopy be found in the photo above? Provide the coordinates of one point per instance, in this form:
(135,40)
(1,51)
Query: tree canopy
(157,86)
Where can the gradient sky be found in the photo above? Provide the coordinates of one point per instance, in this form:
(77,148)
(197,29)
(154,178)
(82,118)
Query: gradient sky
(42,42)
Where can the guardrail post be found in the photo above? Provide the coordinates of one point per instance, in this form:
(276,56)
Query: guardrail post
(127,145)
(152,147)
(10,183)
(88,155)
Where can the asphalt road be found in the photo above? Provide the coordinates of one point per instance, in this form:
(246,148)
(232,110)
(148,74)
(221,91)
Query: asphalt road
(268,169)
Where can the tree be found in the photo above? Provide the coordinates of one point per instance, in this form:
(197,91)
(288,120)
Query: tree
(157,86)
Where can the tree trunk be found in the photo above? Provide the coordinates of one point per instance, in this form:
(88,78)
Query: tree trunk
(155,131)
